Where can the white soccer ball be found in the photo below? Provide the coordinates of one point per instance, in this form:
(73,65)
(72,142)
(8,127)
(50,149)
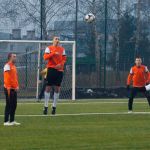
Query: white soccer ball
(89,18)
(89,91)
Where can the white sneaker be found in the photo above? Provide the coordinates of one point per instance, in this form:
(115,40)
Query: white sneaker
(15,123)
(130,111)
(6,123)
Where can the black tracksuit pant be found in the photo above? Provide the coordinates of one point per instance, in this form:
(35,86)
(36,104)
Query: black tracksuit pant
(11,105)
(134,92)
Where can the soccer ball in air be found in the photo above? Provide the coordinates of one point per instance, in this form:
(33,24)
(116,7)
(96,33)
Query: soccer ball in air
(89,18)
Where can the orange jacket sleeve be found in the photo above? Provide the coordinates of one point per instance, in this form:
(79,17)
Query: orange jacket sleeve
(64,60)
(129,79)
(7,79)
(149,77)
(64,57)
(146,74)
(47,56)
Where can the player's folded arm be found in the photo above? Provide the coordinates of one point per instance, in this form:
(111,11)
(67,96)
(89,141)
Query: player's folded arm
(47,54)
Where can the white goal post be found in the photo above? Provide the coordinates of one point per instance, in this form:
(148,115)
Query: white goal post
(39,42)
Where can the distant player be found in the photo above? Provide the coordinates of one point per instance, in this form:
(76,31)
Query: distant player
(10,89)
(56,57)
(139,76)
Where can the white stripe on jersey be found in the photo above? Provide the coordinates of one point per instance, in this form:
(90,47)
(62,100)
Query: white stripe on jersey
(131,71)
(7,67)
(47,50)
(146,69)
(64,52)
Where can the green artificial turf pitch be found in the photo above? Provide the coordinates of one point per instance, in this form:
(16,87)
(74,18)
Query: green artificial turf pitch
(79,125)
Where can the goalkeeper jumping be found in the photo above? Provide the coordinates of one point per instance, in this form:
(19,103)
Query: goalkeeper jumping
(56,58)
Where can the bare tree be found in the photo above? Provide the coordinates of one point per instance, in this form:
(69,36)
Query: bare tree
(24,13)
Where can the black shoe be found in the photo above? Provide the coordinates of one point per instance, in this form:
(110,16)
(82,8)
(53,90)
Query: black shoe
(45,111)
(53,110)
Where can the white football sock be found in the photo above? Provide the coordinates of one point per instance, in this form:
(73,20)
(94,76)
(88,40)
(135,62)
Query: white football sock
(147,87)
(56,97)
(47,97)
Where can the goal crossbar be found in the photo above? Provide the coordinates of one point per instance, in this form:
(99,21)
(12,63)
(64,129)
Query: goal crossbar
(73,43)
(35,41)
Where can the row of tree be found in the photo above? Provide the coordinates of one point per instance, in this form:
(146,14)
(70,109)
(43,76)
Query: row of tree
(128,34)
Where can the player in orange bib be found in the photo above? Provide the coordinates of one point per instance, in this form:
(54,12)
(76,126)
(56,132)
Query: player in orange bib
(56,58)
(10,89)
(139,76)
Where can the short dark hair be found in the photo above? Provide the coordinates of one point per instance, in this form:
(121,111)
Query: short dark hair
(56,37)
(9,56)
(138,57)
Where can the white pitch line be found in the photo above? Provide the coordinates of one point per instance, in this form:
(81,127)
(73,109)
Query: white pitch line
(73,103)
(107,113)
(85,114)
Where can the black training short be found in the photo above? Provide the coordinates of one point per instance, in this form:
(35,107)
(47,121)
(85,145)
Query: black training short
(54,77)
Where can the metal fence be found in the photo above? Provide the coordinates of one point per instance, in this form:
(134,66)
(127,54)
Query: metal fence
(29,64)
(106,48)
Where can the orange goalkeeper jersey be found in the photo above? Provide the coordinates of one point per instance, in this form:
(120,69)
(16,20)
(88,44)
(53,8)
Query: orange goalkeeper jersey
(10,76)
(53,58)
(139,76)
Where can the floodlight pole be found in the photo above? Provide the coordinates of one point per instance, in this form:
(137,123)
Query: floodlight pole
(41,20)
(39,48)
(105,44)
(38,70)
(137,29)
(42,3)
(76,22)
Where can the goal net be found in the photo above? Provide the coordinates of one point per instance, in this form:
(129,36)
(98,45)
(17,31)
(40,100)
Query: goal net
(30,63)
